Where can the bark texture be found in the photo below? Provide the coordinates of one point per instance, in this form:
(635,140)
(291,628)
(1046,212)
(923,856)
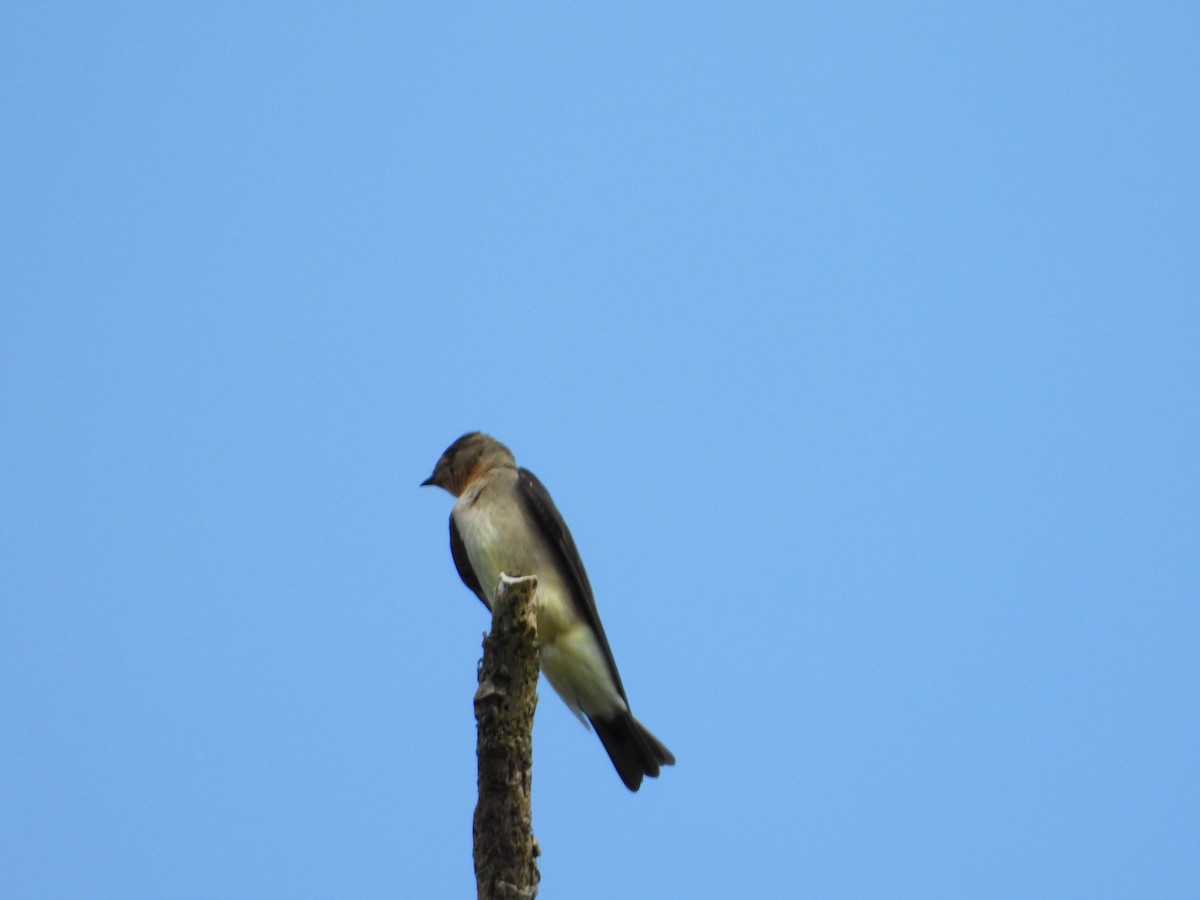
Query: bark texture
(505,848)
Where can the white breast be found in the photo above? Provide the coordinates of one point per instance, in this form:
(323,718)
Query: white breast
(499,539)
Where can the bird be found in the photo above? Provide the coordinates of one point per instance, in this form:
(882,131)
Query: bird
(504,521)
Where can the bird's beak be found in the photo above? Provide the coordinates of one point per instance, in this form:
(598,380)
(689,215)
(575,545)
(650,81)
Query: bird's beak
(428,482)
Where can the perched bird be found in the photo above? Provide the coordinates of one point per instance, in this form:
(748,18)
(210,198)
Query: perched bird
(505,521)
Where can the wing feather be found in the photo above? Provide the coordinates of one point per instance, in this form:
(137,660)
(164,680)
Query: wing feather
(462,562)
(539,505)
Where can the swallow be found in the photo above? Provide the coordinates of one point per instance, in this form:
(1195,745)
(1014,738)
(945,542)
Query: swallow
(504,521)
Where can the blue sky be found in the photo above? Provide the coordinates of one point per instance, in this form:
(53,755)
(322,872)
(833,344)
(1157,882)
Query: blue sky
(858,344)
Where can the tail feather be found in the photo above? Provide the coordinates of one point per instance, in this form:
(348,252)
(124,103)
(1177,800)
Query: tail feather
(633,750)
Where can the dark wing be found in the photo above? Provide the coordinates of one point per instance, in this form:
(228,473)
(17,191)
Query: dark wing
(463,563)
(539,505)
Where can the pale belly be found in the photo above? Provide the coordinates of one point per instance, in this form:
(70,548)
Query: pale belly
(570,655)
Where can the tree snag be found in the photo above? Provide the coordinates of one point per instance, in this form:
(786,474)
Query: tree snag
(505,848)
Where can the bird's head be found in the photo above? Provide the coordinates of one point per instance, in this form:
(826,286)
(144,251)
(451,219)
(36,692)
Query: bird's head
(466,459)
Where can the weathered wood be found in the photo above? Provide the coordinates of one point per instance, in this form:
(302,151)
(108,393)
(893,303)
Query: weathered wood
(505,848)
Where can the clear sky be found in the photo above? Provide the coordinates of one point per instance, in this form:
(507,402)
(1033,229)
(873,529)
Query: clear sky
(859,345)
